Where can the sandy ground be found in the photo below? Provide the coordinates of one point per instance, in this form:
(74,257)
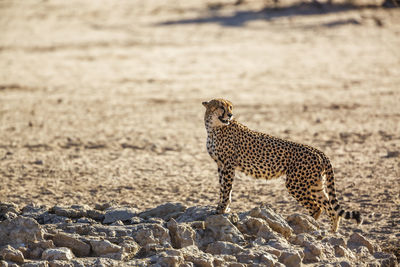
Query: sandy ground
(101,101)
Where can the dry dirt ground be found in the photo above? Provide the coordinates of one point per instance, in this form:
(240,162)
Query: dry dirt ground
(101,101)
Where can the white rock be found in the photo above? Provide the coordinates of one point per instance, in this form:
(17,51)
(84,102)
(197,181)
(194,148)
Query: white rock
(103,247)
(164,211)
(152,234)
(77,246)
(42,264)
(170,257)
(221,247)
(57,254)
(302,223)
(57,263)
(291,258)
(20,230)
(275,221)
(220,228)
(312,252)
(336,241)
(357,240)
(182,235)
(11,254)
(268,259)
(197,257)
(196,213)
(255,227)
(119,214)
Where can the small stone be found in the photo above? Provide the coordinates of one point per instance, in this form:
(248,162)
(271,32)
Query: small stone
(312,252)
(221,247)
(8,207)
(345,264)
(75,211)
(34,211)
(155,220)
(197,257)
(119,214)
(164,211)
(290,258)
(219,261)
(182,235)
(24,250)
(279,243)
(255,227)
(302,223)
(129,249)
(11,254)
(9,215)
(199,225)
(44,244)
(36,253)
(197,213)
(362,251)
(58,263)
(135,220)
(220,228)
(36,264)
(117,223)
(152,234)
(57,254)
(386,259)
(236,264)
(344,252)
(337,241)
(247,256)
(77,246)
(102,247)
(20,230)
(170,258)
(95,214)
(268,259)
(265,249)
(275,221)
(85,220)
(103,206)
(339,251)
(48,218)
(357,240)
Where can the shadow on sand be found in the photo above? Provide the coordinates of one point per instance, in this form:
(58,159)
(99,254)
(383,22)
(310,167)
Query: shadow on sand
(240,18)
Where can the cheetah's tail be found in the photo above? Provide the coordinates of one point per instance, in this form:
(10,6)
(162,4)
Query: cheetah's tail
(330,188)
(348,214)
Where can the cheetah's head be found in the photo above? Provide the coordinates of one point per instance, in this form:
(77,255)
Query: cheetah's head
(218,112)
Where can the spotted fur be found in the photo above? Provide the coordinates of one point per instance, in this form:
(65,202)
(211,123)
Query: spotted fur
(309,174)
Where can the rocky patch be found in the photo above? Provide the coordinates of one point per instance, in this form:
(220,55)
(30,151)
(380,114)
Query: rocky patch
(173,235)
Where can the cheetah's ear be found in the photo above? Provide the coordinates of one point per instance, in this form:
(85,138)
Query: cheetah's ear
(205,103)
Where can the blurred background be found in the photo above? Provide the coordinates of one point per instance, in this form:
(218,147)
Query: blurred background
(100,101)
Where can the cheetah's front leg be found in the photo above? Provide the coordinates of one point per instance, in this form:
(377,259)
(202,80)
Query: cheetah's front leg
(226,175)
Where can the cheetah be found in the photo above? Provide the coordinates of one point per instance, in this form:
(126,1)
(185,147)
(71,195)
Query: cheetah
(309,174)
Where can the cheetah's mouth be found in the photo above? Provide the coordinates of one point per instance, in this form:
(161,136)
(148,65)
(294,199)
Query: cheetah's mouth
(224,121)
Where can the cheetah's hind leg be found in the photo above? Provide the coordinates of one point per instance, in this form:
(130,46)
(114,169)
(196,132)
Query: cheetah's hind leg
(319,194)
(304,198)
(316,210)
